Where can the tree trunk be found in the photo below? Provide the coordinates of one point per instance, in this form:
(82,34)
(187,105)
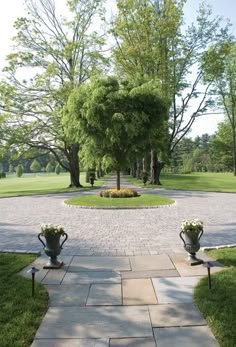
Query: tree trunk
(153,168)
(138,169)
(99,170)
(118,178)
(74,166)
(160,165)
(134,169)
(144,164)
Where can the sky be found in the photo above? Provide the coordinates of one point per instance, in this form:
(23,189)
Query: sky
(225,8)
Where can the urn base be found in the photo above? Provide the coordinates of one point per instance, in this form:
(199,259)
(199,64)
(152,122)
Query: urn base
(54,264)
(192,260)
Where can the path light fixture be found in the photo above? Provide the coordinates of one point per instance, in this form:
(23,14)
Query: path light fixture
(33,271)
(208,265)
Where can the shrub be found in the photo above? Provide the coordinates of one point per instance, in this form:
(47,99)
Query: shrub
(19,170)
(122,193)
(35,166)
(11,168)
(2,174)
(50,167)
(58,169)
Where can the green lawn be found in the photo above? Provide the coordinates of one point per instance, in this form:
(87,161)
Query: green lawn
(219,182)
(96,200)
(40,184)
(218,305)
(20,314)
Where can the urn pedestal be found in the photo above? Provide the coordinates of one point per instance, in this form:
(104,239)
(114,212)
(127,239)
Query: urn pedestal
(191,242)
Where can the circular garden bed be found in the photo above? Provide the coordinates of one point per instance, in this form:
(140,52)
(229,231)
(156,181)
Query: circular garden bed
(124,198)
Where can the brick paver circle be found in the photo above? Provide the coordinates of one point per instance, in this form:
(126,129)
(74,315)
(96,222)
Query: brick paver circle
(118,232)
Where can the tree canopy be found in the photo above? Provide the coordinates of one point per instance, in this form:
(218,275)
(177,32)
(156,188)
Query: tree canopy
(119,118)
(58,54)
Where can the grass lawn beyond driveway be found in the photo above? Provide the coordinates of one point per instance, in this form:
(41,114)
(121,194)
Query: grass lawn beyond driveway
(205,181)
(33,184)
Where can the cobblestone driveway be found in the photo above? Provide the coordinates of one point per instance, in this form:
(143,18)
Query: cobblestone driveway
(117,232)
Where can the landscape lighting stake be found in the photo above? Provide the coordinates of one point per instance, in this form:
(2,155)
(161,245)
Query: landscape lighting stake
(33,271)
(208,265)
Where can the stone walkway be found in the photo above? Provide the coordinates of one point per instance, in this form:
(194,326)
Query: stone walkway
(136,301)
(118,231)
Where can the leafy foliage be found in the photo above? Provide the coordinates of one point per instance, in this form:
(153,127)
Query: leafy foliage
(35,166)
(119,118)
(59,54)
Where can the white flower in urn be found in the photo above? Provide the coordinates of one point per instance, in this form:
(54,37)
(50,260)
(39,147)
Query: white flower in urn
(195,225)
(52,229)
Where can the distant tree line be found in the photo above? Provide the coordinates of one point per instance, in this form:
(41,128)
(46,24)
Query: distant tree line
(204,153)
(40,163)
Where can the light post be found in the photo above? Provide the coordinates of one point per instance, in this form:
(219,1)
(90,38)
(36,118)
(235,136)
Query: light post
(33,271)
(208,265)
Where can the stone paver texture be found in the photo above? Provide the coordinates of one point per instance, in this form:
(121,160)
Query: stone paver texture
(71,343)
(138,292)
(117,232)
(66,295)
(173,315)
(99,263)
(185,270)
(54,276)
(89,277)
(133,342)
(185,337)
(149,274)
(175,289)
(104,294)
(154,262)
(95,322)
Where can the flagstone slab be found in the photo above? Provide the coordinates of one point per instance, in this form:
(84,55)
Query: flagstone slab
(54,276)
(66,295)
(133,342)
(149,274)
(105,294)
(175,289)
(90,277)
(84,263)
(95,322)
(173,315)
(39,276)
(138,292)
(39,263)
(43,260)
(151,262)
(71,343)
(185,337)
(197,270)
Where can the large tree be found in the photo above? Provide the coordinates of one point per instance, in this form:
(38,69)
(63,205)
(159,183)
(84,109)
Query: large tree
(220,65)
(52,56)
(118,117)
(152,42)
